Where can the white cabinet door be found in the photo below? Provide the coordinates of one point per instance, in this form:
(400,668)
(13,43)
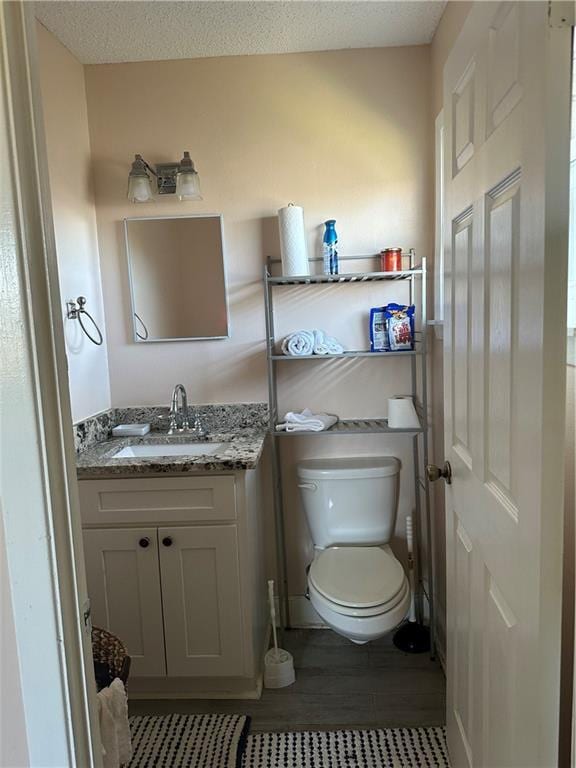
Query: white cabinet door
(201,593)
(124,589)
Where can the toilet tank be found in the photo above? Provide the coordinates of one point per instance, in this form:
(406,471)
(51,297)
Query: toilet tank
(350,501)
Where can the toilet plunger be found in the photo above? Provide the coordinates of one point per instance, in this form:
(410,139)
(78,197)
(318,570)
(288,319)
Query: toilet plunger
(278,663)
(412,637)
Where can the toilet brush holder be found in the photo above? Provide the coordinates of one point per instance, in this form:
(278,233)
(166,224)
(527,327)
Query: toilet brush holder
(278,668)
(278,663)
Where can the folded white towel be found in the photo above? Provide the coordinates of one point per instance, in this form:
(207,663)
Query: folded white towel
(326,345)
(114,727)
(299,343)
(307,421)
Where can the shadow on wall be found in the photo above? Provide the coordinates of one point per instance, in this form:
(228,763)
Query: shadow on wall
(247,362)
(269,238)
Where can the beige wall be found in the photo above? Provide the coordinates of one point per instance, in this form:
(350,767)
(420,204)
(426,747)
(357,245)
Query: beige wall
(450,25)
(69,161)
(345,134)
(338,132)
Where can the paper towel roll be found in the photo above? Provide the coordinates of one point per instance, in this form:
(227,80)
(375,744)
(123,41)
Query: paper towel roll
(293,240)
(401,413)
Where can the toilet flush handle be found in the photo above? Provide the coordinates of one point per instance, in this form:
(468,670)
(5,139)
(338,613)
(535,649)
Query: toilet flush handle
(308,486)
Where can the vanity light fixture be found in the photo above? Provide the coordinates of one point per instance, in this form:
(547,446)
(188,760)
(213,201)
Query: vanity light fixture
(171,178)
(139,182)
(187,180)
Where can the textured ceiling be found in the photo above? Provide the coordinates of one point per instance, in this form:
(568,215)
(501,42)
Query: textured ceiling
(100,31)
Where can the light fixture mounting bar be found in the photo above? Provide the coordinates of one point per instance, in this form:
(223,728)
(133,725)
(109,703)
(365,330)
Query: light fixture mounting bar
(166,176)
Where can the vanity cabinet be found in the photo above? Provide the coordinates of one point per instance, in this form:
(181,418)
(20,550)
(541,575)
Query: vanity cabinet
(175,569)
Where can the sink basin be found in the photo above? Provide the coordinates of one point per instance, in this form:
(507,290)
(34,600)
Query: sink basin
(167,449)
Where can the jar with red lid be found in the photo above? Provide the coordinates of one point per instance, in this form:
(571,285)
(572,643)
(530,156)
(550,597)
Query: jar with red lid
(391,260)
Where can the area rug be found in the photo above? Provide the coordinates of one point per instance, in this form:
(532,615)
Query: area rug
(389,748)
(188,741)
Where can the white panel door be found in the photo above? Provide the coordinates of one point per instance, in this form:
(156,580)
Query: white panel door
(506,107)
(202,612)
(123,577)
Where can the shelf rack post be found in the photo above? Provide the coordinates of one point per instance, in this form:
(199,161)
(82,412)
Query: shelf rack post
(430,540)
(417,521)
(281,559)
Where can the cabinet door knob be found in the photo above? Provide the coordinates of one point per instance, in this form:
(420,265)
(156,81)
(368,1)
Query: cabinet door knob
(167,541)
(145,542)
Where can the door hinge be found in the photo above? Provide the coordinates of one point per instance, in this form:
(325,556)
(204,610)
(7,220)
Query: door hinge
(561,13)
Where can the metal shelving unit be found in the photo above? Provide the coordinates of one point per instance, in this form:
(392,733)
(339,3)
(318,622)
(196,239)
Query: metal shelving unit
(419,391)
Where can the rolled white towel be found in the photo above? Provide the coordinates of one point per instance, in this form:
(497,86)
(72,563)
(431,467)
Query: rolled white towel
(326,345)
(307,421)
(298,343)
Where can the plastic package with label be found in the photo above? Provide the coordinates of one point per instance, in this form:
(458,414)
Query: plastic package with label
(400,326)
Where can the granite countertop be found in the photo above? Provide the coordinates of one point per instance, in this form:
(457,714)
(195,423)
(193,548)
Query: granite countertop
(242,434)
(240,450)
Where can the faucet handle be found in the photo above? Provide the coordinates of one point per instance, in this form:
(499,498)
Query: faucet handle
(185,425)
(173,423)
(199,428)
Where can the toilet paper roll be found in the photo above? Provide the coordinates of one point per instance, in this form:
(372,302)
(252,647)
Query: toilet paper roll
(293,240)
(401,413)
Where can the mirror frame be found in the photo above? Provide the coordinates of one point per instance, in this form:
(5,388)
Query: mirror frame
(135,337)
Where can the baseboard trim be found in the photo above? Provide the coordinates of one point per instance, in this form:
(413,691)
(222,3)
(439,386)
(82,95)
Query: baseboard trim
(195,688)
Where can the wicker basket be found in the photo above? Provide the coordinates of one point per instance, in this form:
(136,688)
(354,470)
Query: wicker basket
(110,658)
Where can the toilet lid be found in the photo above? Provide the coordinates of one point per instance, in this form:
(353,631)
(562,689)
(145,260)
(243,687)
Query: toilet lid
(359,577)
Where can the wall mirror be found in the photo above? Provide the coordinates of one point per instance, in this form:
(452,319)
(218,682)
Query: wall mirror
(177,278)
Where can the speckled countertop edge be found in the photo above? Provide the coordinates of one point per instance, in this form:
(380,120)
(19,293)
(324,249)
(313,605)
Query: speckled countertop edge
(242,450)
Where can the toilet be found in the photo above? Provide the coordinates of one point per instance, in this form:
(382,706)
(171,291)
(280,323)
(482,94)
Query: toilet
(355,582)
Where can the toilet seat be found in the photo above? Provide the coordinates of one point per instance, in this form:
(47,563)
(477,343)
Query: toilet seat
(318,599)
(359,623)
(358,581)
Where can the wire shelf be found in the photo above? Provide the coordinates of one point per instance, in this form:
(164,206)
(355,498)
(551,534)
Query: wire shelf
(352,277)
(349,355)
(354,427)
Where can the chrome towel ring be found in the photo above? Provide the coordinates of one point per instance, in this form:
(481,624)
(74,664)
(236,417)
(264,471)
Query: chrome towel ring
(75,310)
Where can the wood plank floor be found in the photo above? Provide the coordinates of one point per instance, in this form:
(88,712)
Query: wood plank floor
(338,685)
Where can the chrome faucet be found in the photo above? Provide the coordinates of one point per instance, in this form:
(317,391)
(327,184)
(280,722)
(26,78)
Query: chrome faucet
(179,418)
(179,410)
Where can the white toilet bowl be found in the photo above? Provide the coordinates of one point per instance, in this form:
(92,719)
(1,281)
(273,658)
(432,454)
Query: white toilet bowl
(362,593)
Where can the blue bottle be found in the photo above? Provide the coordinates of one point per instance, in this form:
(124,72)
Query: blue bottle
(330,248)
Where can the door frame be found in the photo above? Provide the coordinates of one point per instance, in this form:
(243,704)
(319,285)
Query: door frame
(43,541)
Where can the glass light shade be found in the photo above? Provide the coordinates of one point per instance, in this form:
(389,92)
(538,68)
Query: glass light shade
(139,189)
(188,185)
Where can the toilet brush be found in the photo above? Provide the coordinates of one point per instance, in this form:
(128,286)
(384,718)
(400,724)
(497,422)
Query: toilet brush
(411,636)
(278,663)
